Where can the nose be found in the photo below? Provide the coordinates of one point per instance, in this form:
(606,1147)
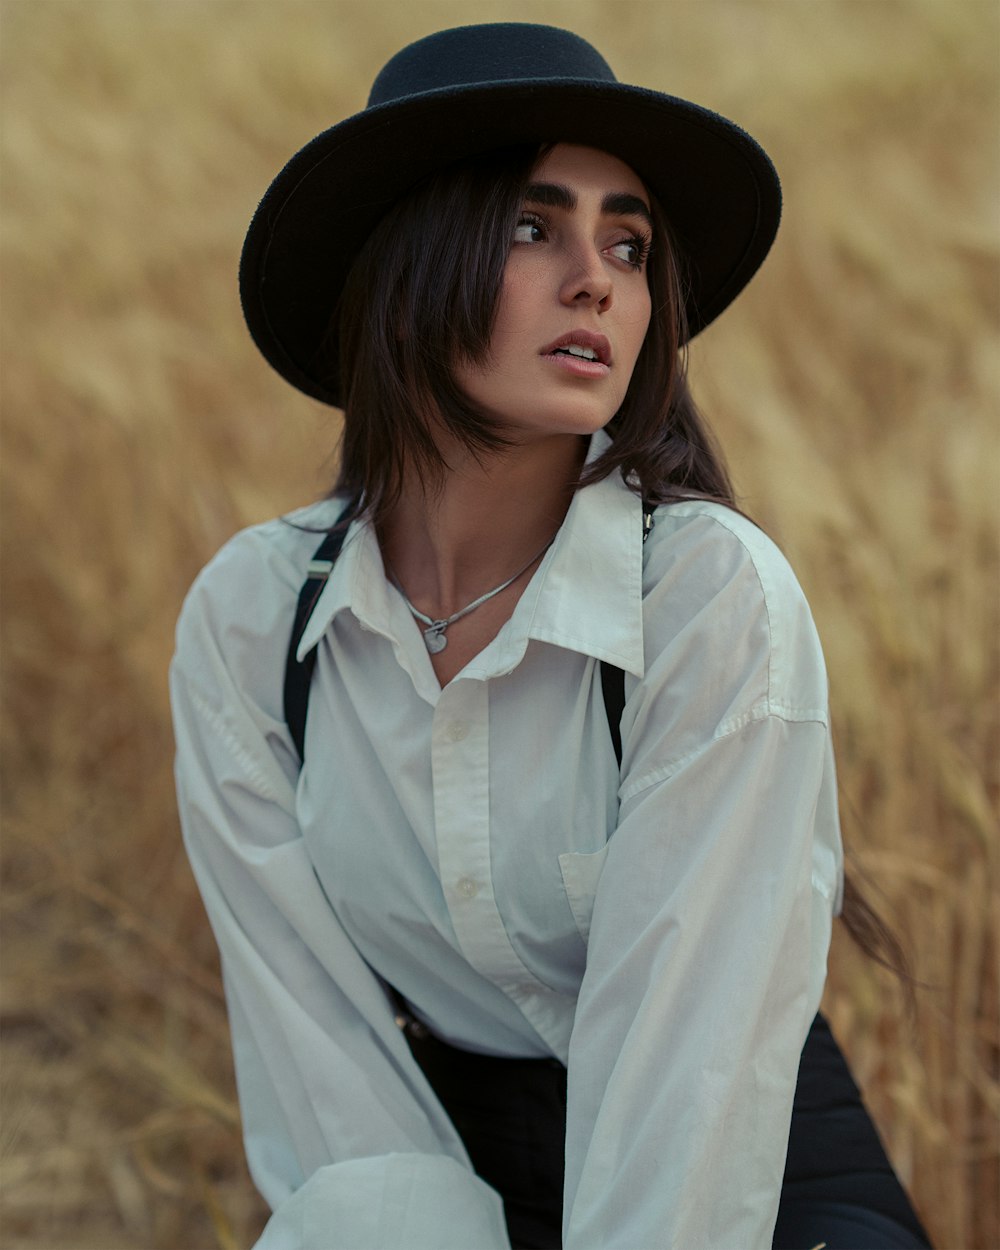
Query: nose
(587,282)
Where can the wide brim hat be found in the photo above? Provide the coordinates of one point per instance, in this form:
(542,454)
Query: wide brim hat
(462,92)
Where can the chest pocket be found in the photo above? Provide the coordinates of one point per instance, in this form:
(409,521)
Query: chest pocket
(581,874)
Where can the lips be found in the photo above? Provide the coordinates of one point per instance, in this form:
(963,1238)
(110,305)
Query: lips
(596,343)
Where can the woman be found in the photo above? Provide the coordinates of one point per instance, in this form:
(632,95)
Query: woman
(532,566)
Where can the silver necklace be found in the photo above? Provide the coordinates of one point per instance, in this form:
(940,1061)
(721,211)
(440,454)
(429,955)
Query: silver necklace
(434,634)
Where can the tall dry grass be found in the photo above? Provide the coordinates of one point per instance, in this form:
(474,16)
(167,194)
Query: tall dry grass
(855,386)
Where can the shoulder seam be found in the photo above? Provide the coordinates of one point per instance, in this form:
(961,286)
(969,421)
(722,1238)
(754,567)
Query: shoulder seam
(762,712)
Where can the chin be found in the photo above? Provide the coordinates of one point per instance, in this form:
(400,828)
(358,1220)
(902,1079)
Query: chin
(524,435)
(574,419)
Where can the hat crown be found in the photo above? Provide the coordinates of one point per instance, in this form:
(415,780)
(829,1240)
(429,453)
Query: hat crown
(490,53)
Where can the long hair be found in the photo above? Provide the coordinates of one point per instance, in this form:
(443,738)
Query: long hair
(423,294)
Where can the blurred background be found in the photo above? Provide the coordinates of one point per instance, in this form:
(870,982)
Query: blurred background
(854,385)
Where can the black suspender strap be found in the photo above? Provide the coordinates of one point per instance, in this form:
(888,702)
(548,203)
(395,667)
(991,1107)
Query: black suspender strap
(298,674)
(613,679)
(648,520)
(613,689)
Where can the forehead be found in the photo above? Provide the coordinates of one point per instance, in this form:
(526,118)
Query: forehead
(588,169)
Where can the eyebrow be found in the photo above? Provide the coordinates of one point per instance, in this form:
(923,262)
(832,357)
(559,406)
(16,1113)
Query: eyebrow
(615,203)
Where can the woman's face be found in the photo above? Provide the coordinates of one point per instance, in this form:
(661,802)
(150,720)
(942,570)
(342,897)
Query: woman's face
(575,303)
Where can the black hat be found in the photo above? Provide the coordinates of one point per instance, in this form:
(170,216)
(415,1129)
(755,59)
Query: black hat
(474,89)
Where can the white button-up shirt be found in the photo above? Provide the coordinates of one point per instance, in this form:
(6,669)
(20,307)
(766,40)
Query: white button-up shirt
(662,930)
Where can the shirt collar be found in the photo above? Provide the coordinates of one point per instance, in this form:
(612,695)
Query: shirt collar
(357,581)
(586,596)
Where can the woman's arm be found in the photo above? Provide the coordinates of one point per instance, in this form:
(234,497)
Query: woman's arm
(711,922)
(344,1137)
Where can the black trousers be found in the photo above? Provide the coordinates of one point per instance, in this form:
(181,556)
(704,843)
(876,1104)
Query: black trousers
(839,1187)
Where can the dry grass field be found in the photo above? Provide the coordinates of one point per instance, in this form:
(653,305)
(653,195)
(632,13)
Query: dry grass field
(855,386)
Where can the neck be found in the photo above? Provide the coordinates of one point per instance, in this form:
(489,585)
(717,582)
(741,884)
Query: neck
(488,519)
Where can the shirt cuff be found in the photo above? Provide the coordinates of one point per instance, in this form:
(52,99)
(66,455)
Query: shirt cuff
(420,1201)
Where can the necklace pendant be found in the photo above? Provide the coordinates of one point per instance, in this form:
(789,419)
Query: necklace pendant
(434,637)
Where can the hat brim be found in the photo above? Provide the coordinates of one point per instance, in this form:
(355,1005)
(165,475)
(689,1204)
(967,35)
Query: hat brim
(716,185)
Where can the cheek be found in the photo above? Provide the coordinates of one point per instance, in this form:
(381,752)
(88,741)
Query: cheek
(635,326)
(639,317)
(522,289)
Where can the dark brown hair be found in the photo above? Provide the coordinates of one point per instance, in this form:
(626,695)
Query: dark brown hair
(424,292)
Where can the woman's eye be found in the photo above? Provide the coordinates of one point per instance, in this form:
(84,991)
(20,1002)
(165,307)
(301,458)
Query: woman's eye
(627,251)
(529,230)
(632,251)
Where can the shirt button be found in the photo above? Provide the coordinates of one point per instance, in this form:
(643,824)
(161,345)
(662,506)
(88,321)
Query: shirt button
(456,731)
(466,887)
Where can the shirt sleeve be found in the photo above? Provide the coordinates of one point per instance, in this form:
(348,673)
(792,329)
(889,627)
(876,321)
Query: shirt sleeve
(710,925)
(344,1137)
